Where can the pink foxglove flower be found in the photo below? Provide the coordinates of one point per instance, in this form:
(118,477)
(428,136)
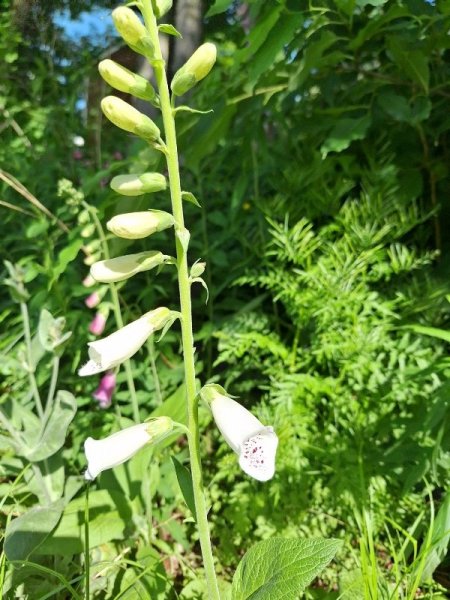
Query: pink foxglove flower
(97,325)
(121,446)
(254,443)
(88,281)
(93,300)
(105,389)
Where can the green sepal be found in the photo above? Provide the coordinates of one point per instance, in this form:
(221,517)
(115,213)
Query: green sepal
(203,283)
(170,30)
(183,236)
(189,197)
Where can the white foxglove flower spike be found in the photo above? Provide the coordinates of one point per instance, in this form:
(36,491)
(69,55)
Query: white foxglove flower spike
(121,446)
(254,443)
(107,353)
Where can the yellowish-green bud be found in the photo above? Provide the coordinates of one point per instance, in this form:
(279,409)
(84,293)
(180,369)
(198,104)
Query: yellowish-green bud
(161,7)
(197,269)
(195,69)
(88,230)
(124,80)
(126,117)
(136,185)
(137,225)
(124,267)
(132,30)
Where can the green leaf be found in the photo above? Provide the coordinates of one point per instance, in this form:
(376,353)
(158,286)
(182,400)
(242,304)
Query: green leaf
(280,35)
(54,433)
(67,255)
(109,519)
(442,334)
(170,29)
(26,533)
(395,106)
(412,62)
(439,540)
(218,7)
(344,132)
(189,197)
(281,568)
(185,482)
(184,108)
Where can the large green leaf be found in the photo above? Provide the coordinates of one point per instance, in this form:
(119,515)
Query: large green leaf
(54,434)
(344,133)
(413,63)
(281,568)
(109,518)
(24,534)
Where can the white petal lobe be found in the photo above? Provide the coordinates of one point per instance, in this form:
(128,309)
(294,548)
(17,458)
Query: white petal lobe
(257,454)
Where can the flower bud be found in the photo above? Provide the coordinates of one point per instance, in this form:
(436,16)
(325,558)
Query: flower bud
(195,69)
(161,7)
(121,446)
(137,225)
(124,267)
(113,350)
(126,117)
(88,230)
(136,185)
(103,394)
(132,30)
(255,444)
(125,80)
(197,269)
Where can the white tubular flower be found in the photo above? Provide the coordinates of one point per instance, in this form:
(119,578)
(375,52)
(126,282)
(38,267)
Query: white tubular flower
(124,267)
(121,446)
(254,443)
(114,349)
(137,225)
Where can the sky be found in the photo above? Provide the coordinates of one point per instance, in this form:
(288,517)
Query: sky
(94,24)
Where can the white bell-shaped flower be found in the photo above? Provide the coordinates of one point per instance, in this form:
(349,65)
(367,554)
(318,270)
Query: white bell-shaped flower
(114,349)
(254,443)
(121,446)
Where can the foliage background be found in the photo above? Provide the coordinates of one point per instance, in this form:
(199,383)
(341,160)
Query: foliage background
(323,175)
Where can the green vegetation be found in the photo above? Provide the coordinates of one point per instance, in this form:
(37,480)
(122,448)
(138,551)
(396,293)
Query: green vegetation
(315,159)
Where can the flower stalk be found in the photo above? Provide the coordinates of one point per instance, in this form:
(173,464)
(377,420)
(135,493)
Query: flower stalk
(185,295)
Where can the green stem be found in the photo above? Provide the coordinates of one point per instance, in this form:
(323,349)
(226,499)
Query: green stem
(30,368)
(52,388)
(117,312)
(185,300)
(151,353)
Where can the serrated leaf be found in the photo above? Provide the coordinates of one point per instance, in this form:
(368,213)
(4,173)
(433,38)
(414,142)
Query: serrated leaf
(281,568)
(26,533)
(185,482)
(169,29)
(344,133)
(189,197)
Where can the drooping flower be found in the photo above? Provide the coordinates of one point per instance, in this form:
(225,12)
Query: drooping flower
(114,349)
(124,267)
(105,389)
(93,300)
(121,446)
(137,225)
(254,443)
